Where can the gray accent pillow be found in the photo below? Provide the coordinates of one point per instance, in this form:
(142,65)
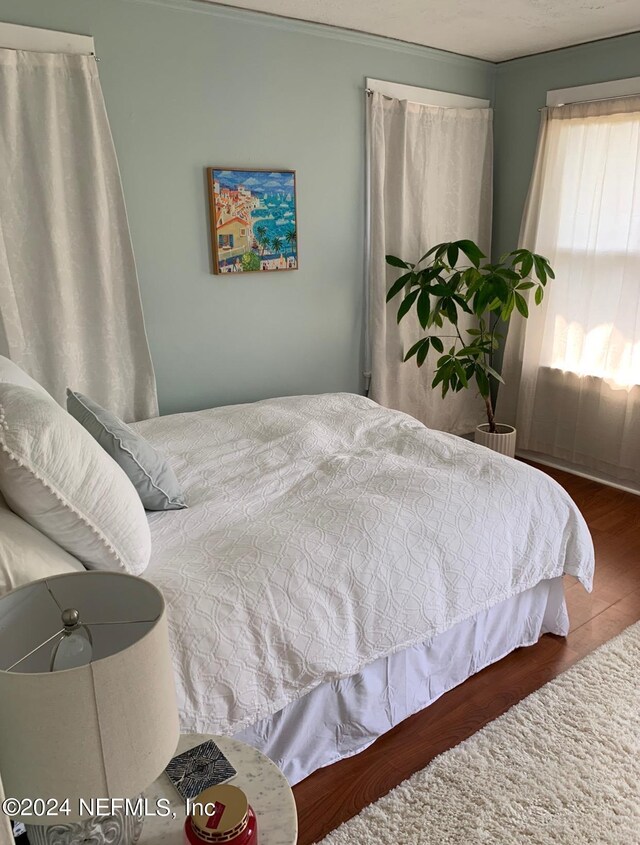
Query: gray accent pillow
(148,471)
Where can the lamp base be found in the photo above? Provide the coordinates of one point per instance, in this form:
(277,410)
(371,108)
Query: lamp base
(117,829)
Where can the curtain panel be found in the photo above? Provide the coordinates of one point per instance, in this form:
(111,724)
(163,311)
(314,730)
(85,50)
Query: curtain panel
(572,370)
(69,299)
(430,180)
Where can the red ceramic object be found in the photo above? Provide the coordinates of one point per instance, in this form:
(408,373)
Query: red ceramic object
(221,815)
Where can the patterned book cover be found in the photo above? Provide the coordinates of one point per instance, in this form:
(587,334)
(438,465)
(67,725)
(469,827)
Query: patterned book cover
(198,769)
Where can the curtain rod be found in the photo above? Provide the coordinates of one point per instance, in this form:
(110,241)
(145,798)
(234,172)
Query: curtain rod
(594,100)
(370,91)
(57,52)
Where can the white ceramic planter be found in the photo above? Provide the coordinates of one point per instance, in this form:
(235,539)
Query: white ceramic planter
(503,440)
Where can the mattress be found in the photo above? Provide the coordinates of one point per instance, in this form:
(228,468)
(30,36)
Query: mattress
(341,718)
(325,532)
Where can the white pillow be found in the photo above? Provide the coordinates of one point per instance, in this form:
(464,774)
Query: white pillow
(11,373)
(27,555)
(56,477)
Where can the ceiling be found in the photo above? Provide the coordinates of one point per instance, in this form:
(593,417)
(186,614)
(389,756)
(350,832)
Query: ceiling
(496,30)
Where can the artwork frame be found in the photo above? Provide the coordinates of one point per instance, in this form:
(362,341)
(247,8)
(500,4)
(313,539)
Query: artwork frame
(253,219)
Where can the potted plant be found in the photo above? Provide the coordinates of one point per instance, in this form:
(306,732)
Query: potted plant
(450,279)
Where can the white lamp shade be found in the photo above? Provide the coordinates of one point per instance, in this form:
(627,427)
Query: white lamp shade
(103,730)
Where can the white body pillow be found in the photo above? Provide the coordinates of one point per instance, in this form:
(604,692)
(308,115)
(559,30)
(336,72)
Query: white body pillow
(56,477)
(26,555)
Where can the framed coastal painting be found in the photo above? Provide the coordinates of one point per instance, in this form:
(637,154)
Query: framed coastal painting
(254,224)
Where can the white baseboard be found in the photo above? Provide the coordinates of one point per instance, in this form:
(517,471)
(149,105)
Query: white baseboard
(556,463)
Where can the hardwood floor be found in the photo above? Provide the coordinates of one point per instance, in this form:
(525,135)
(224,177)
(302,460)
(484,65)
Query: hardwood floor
(336,793)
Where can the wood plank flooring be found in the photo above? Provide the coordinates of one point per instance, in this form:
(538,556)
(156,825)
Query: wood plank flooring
(336,793)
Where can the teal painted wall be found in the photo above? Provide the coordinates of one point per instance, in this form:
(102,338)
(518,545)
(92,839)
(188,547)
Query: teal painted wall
(520,89)
(189,85)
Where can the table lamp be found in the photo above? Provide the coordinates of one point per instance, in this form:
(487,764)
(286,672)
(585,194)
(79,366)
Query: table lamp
(88,704)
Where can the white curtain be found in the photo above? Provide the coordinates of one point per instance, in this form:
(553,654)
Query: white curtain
(6,834)
(572,370)
(430,180)
(69,298)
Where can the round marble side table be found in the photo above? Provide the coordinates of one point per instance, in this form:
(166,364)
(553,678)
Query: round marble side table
(261,780)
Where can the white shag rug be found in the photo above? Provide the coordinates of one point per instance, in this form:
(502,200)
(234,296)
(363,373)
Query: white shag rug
(562,767)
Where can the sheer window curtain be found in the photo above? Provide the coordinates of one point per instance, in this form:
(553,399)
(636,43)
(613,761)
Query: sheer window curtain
(572,370)
(69,299)
(430,180)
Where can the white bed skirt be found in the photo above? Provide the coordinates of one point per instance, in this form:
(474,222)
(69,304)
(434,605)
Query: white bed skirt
(341,718)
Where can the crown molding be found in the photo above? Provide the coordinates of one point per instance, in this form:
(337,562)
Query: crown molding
(319,30)
(502,66)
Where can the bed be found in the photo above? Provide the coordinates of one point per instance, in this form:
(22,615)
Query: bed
(340,566)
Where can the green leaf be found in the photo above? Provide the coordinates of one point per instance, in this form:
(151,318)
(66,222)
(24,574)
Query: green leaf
(424,307)
(397,286)
(454,280)
(469,350)
(431,251)
(440,251)
(541,270)
(527,265)
(525,285)
(450,310)
(521,305)
(429,273)
(508,307)
(509,274)
(460,373)
(501,288)
(483,382)
(440,290)
(443,375)
(473,279)
(414,349)
(472,251)
(494,373)
(482,298)
(452,255)
(397,262)
(407,302)
(437,344)
(422,354)
(437,378)
(461,302)
(538,295)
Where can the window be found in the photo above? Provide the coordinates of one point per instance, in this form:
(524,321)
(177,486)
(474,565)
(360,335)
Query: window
(573,368)
(589,227)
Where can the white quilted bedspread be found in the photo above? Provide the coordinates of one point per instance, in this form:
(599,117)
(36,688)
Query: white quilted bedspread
(325,531)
